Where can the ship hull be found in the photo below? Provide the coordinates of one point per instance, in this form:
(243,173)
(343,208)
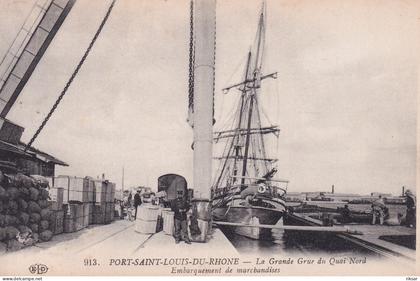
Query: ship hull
(249,215)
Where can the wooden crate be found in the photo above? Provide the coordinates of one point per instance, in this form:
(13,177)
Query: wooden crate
(110,192)
(99,214)
(86,209)
(57,222)
(74,218)
(75,188)
(56,196)
(101,188)
(69,225)
(112,211)
(107,213)
(91,195)
(91,212)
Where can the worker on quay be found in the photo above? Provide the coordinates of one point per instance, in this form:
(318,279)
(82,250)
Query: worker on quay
(180,208)
(346,214)
(137,203)
(378,210)
(411,208)
(130,197)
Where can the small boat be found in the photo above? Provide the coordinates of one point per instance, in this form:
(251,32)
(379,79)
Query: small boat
(245,191)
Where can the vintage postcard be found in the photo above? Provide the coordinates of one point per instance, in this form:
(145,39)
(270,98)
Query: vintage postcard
(208,138)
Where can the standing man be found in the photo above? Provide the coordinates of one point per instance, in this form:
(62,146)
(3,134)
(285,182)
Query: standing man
(411,208)
(180,208)
(137,203)
(378,210)
(130,197)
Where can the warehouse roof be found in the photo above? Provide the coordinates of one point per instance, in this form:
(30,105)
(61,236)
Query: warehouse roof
(31,152)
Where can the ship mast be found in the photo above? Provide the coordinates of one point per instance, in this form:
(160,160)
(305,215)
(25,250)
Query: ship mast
(255,84)
(248,123)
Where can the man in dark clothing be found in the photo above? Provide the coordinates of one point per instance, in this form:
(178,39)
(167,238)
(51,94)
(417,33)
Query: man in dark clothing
(180,208)
(411,208)
(137,202)
(346,213)
(130,197)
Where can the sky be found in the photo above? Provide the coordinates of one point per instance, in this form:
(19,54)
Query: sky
(345,98)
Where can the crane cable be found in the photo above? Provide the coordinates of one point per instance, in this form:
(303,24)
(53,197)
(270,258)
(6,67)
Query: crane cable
(64,91)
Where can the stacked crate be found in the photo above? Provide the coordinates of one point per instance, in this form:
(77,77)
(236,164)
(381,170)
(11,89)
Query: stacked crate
(75,188)
(101,189)
(79,195)
(91,200)
(57,210)
(57,222)
(73,217)
(104,202)
(109,209)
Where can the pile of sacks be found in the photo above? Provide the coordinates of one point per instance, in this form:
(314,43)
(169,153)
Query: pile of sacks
(25,216)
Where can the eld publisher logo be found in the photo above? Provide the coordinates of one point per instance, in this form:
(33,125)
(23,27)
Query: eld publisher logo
(38,269)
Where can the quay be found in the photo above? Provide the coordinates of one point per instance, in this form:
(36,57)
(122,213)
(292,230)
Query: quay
(380,239)
(68,252)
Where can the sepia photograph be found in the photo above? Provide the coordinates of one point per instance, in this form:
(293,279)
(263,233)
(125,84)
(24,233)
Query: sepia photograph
(209,138)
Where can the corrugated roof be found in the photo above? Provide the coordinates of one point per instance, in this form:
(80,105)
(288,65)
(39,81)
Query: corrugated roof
(31,152)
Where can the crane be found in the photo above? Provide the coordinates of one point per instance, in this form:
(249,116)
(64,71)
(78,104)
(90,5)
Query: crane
(29,46)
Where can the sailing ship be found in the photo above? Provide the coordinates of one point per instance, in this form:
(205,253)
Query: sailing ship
(244,190)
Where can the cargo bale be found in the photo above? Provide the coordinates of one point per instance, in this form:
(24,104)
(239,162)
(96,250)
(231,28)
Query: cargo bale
(11,232)
(34,227)
(23,205)
(3,193)
(45,214)
(23,218)
(33,207)
(34,218)
(46,235)
(35,236)
(11,220)
(14,245)
(43,194)
(43,203)
(13,207)
(24,192)
(2,220)
(3,234)
(12,193)
(40,181)
(33,193)
(23,180)
(43,225)
(24,229)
